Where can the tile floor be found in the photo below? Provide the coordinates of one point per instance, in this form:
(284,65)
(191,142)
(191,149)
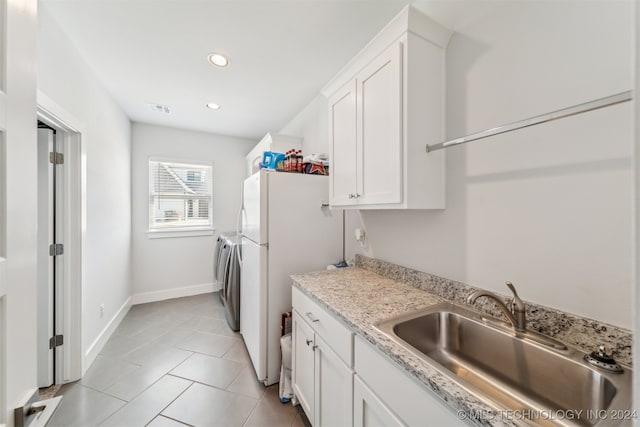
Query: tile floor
(174,363)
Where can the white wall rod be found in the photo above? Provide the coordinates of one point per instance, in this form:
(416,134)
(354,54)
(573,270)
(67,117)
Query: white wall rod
(544,118)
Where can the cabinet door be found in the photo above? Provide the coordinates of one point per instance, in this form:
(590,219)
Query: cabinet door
(334,388)
(303,364)
(342,125)
(380,126)
(368,409)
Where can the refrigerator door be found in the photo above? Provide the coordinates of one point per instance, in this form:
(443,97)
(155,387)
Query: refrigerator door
(304,235)
(253,304)
(254,212)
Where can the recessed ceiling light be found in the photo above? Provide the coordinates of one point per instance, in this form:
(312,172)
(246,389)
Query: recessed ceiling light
(213,106)
(218,59)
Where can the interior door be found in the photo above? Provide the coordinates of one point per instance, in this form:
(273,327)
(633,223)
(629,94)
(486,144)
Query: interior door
(50,258)
(45,261)
(18,205)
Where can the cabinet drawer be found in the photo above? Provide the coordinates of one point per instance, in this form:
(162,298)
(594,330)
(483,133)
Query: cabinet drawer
(336,334)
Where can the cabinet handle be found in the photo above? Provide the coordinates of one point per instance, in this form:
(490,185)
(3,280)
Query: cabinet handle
(314,347)
(357,196)
(313,319)
(352,196)
(309,342)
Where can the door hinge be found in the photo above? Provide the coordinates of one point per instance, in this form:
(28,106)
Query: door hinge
(56,158)
(56,249)
(56,341)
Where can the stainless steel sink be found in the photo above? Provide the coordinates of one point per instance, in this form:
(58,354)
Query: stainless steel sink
(532,379)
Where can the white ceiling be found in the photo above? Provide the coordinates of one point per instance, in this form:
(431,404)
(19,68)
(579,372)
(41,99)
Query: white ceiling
(281,52)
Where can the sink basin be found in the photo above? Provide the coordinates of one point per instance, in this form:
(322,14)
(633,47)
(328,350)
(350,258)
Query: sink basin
(532,379)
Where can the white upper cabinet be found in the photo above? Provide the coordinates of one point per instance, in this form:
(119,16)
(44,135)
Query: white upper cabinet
(379,130)
(342,116)
(385,106)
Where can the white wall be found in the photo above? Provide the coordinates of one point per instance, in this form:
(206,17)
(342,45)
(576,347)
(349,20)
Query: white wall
(164,264)
(550,207)
(65,78)
(313,123)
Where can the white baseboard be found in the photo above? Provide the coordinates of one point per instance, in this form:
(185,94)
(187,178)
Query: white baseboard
(97,345)
(164,294)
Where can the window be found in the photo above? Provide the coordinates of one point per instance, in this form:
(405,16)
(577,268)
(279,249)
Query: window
(194,176)
(180,195)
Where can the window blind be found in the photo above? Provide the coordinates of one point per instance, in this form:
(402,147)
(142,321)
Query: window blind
(180,195)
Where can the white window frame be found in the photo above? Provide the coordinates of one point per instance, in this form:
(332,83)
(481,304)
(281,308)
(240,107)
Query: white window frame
(181,231)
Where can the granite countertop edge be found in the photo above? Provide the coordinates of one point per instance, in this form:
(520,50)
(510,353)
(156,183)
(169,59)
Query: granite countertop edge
(331,290)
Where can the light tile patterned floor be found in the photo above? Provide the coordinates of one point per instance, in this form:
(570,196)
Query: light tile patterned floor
(174,363)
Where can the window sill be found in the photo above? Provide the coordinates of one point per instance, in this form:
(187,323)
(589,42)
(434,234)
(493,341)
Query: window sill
(180,232)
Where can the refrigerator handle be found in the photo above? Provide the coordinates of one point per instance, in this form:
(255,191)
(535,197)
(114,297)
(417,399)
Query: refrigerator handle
(239,223)
(238,251)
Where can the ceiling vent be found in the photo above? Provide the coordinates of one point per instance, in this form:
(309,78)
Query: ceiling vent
(159,108)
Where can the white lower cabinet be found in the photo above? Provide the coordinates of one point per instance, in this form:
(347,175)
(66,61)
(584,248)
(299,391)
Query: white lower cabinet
(322,381)
(334,388)
(392,396)
(302,366)
(340,381)
(322,363)
(369,410)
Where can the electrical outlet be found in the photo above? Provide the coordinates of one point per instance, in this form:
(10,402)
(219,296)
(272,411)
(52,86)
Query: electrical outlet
(101,310)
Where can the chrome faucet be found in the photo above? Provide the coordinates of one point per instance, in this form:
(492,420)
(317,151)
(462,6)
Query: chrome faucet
(517,314)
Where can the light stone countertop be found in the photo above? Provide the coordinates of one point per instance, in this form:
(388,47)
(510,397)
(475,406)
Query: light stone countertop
(361,298)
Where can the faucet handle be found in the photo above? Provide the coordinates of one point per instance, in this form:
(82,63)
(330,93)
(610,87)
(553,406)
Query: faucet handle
(517,303)
(513,288)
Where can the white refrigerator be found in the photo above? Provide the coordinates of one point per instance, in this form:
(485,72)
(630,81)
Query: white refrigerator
(287,228)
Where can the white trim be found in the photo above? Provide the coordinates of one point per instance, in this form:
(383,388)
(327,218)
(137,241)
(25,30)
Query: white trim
(3,111)
(3,275)
(179,232)
(164,294)
(3,363)
(97,345)
(75,230)
(49,109)
(181,161)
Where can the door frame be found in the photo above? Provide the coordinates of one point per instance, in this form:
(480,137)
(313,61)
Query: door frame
(74,232)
